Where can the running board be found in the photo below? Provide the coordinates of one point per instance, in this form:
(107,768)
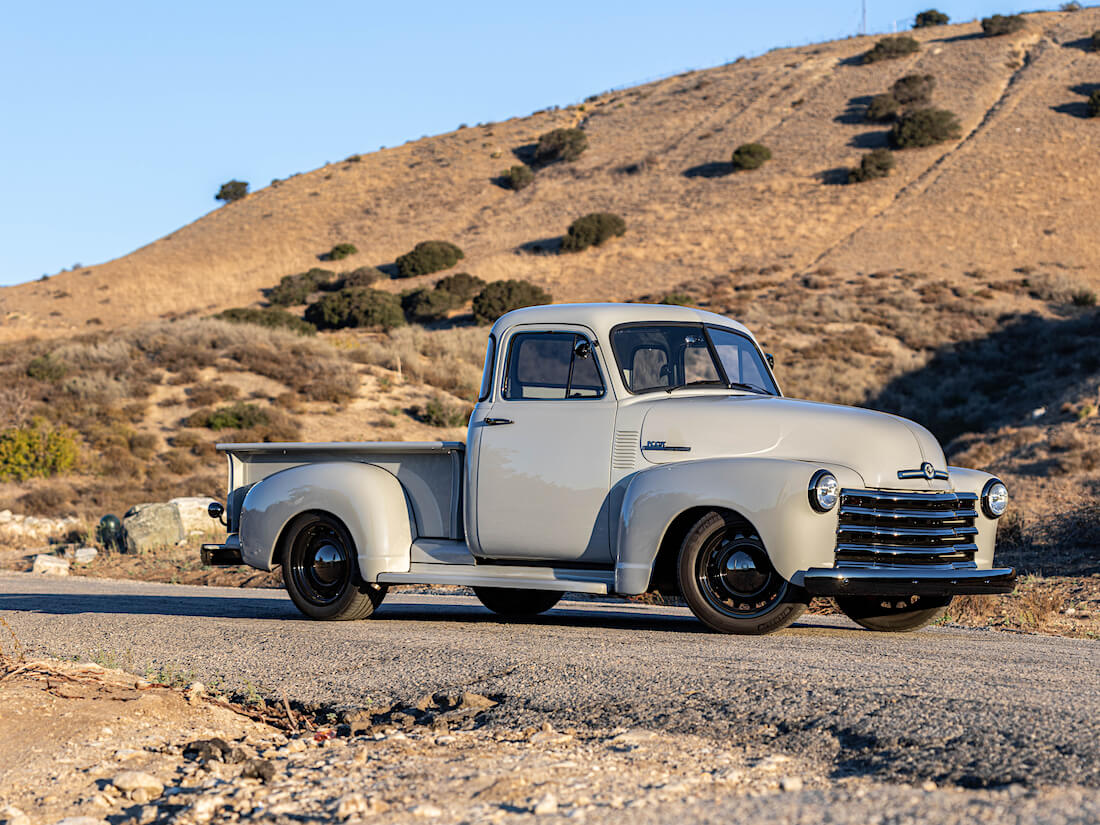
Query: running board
(499,575)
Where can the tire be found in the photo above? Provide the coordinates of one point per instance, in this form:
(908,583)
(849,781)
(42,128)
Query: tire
(505,601)
(893,614)
(730,584)
(321,570)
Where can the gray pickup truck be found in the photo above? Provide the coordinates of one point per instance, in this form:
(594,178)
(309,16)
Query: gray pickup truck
(620,449)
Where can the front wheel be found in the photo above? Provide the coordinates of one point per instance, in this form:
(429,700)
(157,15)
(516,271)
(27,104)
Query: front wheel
(321,570)
(505,601)
(729,582)
(893,614)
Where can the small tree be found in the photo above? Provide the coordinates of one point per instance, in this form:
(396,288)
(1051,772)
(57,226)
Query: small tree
(500,297)
(234,190)
(592,230)
(427,257)
(1000,24)
(932,17)
(882,108)
(891,48)
(914,89)
(462,285)
(341,251)
(362,276)
(875,164)
(518,177)
(1094,104)
(924,127)
(560,144)
(295,289)
(428,304)
(750,156)
(356,307)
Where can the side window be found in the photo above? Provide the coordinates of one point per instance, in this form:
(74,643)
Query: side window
(544,366)
(487,375)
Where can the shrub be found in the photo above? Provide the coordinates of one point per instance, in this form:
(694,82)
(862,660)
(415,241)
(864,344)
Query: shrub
(267,317)
(518,177)
(500,297)
(560,144)
(356,307)
(234,190)
(36,451)
(750,156)
(437,413)
(932,17)
(341,251)
(295,289)
(924,127)
(427,304)
(913,89)
(241,415)
(1084,298)
(1096,41)
(1000,24)
(592,230)
(1071,6)
(875,164)
(462,285)
(882,108)
(427,257)
(363,276)
(891,48)
(210,393)
(47,368)
(1093,105)
(677,299)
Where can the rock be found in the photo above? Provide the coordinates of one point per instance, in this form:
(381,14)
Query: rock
(81,555)
(151,527)
(204,807)
(549,736)
(9,814)
(50,565)
(261,769)
(634,738)
(545,805)
(475,701)
(193,515)
(772,763)
(138,786)
(425,811)
(5,517)
(791,783)
(353,803)
(147,814)
(81,820)
(126,754)
(212,750)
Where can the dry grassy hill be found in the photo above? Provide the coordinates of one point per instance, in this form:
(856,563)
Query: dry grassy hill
(959,291)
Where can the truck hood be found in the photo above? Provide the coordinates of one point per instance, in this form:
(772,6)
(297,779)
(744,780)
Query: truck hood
(873,444)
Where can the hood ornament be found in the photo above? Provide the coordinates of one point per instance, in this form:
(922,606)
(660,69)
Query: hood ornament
(926,470)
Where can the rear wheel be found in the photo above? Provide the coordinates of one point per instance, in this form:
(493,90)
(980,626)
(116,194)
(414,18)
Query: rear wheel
(893,614)
(321,570)
(729,582)
(507,601)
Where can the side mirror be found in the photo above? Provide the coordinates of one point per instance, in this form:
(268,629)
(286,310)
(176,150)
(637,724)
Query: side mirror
(582,350)
(770,359)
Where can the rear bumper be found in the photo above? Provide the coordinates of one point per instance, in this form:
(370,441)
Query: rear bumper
(909,581)
(223,555)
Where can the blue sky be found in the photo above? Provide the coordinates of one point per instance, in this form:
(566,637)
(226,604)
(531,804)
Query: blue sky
(118,121)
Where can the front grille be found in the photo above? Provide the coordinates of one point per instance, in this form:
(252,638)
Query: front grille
(901,528)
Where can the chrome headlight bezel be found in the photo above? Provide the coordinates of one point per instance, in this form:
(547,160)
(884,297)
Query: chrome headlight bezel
(994,495)
(824,491)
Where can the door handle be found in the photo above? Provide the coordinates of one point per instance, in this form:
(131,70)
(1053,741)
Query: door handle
(495,422)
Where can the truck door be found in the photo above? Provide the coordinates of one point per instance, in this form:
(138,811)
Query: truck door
(544,455)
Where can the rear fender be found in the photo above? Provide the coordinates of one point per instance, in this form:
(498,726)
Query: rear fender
(367,499)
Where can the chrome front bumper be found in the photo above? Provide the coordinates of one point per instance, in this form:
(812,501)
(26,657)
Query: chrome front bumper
(908,581)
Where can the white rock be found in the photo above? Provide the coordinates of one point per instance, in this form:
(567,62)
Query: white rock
(425,811)
(9,813)
(791,783)
(5,516)
(550,737)
(84,555)
(634,737)
(204,807)
(1038,412)
(50,565)
(138,786)
(193,515)
(545,805)
(81,820)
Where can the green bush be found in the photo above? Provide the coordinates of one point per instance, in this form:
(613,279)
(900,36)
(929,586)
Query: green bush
(427,257)
(36,451)
(1093,104)
(891,48)
(362,276)
(560,144)
(924,127)
(341,251)
(295,289)
(750,156)
(428,304)
(592,230)
(234,190)
(1000,24)
(47,368)
(437,413)
(1084,298)
(267,317)
(914,89)
(462,285)
(356,307)
(500,297)
(932,17)
(237,416)
(1096,41)
(882,108)
(677,299)
(518,177)
(875,164)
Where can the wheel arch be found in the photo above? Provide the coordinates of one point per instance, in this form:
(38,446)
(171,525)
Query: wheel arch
(663,578)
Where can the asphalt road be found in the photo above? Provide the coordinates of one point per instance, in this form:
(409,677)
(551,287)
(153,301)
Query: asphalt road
(971,709)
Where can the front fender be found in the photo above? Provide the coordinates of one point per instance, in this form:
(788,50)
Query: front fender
(770,493)
(964,480)
(367,499)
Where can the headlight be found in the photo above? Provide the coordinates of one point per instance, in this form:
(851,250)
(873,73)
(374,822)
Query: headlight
(994,498)
(824,491)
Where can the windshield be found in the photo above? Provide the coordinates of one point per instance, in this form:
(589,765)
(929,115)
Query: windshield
(668,356)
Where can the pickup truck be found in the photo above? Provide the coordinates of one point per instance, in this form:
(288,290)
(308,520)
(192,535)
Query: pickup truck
(622,449)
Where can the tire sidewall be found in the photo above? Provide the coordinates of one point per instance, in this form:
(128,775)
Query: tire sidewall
(353,587)
(867,612)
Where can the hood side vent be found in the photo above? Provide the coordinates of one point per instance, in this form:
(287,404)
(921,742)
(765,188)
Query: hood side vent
(625,451)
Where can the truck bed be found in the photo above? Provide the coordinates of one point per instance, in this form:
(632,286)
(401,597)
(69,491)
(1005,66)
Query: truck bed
(431,473)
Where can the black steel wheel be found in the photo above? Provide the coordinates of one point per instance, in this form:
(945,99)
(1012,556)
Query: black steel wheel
(321,570)
(893,614)
(506,601)
(729,582)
